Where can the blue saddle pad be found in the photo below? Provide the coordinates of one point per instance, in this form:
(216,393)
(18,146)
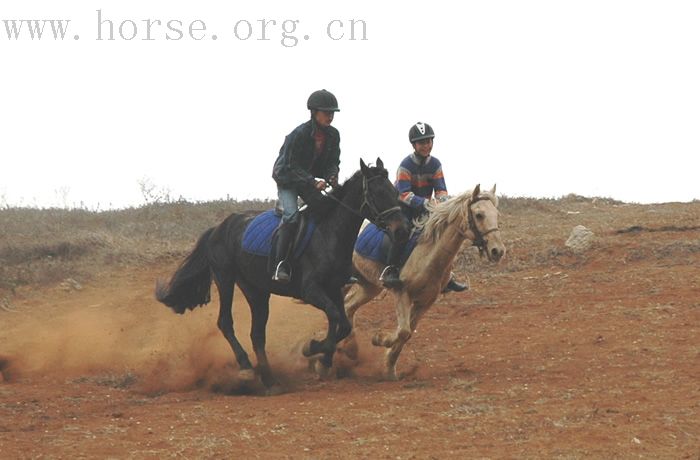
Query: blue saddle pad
(370,244)
(257,238)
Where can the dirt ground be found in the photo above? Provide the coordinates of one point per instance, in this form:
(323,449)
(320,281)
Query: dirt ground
(549,355)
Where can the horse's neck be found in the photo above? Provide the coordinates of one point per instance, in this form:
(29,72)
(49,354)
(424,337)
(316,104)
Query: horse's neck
(440,254)
(347,223)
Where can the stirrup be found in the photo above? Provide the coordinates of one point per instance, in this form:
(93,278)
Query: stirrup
(388,281)
(282,274)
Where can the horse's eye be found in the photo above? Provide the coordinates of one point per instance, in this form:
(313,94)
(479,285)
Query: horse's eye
(479,216)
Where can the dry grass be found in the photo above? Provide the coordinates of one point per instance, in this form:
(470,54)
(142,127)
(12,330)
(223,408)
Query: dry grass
(48,246)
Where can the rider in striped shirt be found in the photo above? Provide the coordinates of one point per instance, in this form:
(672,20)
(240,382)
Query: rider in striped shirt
(419,177)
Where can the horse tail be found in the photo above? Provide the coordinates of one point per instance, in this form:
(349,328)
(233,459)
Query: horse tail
(190,286)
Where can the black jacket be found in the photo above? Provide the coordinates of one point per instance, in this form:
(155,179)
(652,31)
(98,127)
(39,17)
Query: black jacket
(295,167)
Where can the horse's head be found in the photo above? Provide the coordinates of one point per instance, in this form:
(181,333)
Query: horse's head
(380,201)
(483,223)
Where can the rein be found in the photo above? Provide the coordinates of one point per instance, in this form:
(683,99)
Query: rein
(377,217)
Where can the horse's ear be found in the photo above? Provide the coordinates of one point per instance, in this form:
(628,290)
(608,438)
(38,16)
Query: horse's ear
(476,192)
(493,190)
(363,167)
(380,163)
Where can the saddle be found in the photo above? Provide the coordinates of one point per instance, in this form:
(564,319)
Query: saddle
(261,234)
(374,244)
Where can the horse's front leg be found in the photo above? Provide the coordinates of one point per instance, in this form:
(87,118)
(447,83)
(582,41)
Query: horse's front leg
(315,295)
(344,324)
(407,313)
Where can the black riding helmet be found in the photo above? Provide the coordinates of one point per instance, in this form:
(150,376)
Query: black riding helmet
(420,131)
(322,100)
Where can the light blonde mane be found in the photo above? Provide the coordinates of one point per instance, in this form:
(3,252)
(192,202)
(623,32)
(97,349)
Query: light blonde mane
(442,215)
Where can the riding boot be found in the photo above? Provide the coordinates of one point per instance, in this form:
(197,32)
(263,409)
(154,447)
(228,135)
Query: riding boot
(454,286)
(285,236)
(390,274)
(352,280)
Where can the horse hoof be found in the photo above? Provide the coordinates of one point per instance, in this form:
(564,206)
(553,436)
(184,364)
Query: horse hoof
(306,351)
(344,366)
(274,390)
(246,375)
(344,372)
(312,364)
(323,372)
(349,349)
(392,377)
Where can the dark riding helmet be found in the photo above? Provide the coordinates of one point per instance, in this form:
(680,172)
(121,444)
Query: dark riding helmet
(322,100)
(420,131)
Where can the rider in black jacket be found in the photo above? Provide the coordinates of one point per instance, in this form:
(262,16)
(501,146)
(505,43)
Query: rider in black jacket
(308,160)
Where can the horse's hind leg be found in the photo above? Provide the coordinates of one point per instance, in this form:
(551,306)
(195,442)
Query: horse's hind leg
(259,302)
(225,280)
(358,295)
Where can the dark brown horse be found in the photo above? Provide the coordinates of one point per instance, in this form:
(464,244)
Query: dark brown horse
(318,275)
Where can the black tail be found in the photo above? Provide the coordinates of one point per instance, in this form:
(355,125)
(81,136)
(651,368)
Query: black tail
(190,286)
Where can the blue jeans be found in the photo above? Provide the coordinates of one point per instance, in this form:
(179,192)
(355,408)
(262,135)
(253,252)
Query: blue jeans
(288,200)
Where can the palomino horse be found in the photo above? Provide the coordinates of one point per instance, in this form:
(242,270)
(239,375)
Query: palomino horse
(472,216)
(318,275)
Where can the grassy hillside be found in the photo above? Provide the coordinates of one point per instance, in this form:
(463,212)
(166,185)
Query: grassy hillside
(47,246)
(40,246)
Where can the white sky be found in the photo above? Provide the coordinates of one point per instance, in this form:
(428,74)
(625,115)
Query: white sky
(544,98)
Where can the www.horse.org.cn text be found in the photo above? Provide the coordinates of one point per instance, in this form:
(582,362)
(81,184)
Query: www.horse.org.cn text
(288,33)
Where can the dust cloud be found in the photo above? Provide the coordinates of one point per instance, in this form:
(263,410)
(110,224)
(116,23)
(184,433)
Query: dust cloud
(139,342)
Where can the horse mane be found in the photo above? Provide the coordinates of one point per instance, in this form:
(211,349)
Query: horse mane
(441,215)
(339,192)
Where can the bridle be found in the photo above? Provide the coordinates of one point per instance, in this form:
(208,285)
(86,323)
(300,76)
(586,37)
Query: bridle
(478,240)
(376,216)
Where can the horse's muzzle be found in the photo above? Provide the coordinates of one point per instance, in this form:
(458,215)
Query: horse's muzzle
(495,249)
(495,254)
